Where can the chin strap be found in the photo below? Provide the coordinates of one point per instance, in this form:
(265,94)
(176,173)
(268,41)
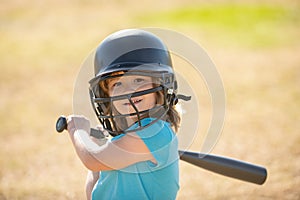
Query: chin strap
(175,98)
(184,97)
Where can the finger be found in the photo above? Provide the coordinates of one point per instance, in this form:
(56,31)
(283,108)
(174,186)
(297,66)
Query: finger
(101,128)
(71,123)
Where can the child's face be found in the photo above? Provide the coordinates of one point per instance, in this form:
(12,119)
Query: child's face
(128,85)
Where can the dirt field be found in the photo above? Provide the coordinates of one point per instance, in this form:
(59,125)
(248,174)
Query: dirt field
(255,46)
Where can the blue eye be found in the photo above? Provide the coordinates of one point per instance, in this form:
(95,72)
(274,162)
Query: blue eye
(139,80)
(117,84)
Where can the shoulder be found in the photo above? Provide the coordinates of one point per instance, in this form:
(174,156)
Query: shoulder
(155,128)
(158,135)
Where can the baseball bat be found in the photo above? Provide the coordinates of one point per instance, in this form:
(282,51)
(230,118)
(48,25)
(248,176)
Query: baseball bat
(226,166)
(221,165)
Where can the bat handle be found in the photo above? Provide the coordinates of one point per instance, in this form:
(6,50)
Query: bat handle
(61,124)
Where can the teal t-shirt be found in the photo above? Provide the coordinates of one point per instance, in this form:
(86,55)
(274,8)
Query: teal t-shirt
(145,180)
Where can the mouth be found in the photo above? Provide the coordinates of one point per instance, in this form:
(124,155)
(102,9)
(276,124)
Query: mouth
(135,102)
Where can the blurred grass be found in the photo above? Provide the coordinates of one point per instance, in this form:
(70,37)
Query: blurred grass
(255,46)
(248,24)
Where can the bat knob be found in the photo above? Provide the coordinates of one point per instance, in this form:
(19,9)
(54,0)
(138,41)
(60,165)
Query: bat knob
(61,124)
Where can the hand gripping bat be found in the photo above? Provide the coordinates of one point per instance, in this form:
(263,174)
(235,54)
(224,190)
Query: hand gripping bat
(221,165)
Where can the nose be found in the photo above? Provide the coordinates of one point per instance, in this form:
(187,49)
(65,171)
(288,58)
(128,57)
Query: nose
(126,88)
(131,87)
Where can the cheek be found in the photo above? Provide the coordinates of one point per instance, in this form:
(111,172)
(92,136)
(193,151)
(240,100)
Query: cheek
(118,105)
(151,99)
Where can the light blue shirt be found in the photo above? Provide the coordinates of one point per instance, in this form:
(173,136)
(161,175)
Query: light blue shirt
(145,180)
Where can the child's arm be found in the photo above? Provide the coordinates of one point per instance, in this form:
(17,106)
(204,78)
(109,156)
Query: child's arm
(114,155)
(91,179)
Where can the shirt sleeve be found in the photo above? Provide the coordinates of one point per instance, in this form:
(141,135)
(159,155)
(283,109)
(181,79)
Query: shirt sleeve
(161,142)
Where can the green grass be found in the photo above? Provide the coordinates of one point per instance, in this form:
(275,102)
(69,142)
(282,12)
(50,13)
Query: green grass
(253,25)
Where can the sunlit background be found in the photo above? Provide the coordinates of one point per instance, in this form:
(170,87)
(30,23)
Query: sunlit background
(254,44)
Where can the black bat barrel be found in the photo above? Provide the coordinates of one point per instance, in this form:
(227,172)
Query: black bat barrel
(226,166)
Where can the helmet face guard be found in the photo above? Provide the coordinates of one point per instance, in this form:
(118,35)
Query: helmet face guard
(116,122)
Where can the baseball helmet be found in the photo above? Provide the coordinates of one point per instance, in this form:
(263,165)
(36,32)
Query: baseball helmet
(132,52)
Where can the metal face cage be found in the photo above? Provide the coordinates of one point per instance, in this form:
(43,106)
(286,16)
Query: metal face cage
(116,123)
